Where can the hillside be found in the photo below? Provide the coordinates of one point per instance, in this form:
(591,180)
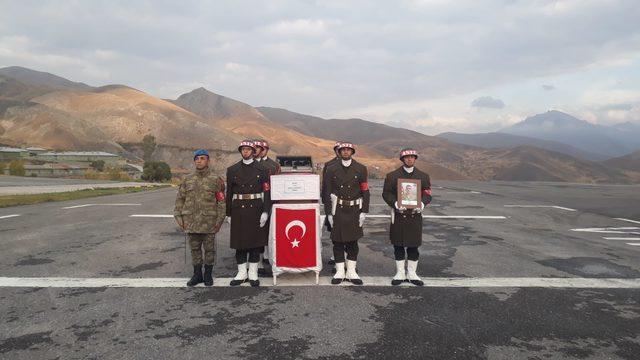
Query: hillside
(126,115)
(566,129)
(496,140)
(52,112)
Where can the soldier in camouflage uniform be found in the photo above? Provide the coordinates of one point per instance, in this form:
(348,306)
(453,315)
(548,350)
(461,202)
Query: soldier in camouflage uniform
(200,211)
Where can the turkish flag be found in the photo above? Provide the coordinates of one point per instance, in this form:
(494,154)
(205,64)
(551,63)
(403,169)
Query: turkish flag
(295,237)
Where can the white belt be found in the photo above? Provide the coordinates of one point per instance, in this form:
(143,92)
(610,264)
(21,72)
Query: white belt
(247,196)
(350,202)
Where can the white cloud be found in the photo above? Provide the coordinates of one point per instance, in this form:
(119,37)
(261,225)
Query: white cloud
(488,102)
(303,27)
(422,61)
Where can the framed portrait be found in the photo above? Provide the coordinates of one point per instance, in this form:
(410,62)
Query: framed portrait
(409,193)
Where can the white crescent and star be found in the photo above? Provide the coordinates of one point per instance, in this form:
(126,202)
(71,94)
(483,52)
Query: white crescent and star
(295,242)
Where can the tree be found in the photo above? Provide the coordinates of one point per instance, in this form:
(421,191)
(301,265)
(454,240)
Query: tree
(16,167)
(148,146)
(98,165)
(156,171)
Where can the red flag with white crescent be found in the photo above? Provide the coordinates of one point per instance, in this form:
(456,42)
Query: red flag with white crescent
(295,235)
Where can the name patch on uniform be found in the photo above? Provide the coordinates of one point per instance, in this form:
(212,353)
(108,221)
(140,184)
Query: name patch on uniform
(364,186)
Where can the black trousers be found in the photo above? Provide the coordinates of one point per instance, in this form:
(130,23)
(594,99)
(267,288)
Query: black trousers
(254,255)
(351,248)
(411,253)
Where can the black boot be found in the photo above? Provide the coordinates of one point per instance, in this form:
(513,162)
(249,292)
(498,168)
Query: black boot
(208,277)
(197,276)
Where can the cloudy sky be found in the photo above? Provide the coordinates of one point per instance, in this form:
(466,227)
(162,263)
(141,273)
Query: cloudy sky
(431,65)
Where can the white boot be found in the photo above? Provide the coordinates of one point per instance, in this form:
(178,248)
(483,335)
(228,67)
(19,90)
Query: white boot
(412,266)
(352,275)
(241,276)
(339,275)
(253,274)
(401,275)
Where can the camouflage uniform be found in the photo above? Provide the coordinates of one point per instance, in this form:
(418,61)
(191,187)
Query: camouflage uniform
(200,204)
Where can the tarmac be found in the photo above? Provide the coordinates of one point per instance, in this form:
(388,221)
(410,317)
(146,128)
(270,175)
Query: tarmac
(512,270)
(15,185)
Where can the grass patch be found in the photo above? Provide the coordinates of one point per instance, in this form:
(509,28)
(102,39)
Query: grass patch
(29,199)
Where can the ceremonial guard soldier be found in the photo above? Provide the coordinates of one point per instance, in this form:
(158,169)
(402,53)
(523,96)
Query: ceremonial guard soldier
(327,164)
(346,202)
(200,211)
(272,168)
(406,224)
(248,206)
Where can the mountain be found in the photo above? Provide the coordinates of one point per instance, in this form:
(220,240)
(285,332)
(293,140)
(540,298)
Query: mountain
(247,122)
(629,162)
(519,162)
(495,140)
(534,164)
(12,89)
(627,133)
(41,79)
(39,109)
(31,124)
(566,129)
(357,130)
(126,115)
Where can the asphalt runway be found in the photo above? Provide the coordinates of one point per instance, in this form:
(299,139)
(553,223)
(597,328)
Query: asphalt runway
(518,270)
(20,185)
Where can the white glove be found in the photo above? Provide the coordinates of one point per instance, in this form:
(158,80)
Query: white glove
(330,219)
(263,219)
(419,210)
(401,208)
(361,220)
(228,219)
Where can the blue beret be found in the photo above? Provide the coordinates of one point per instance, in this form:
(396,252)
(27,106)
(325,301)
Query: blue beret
(199,153)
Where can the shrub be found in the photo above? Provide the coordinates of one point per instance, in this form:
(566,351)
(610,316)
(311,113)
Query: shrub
(16,167)
(97,165)
(156,171)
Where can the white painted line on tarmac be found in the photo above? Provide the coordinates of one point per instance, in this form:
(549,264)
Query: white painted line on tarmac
(151,216)
(634,244)
(306,280)
(77,206)
(428,206)
(628,220)
(463,217)
(9,216)
(462,192)
(563,208)
(614,232)
(446,216)
(87,205)
(368,216)
(606,229)
(540,206)
(623,238)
